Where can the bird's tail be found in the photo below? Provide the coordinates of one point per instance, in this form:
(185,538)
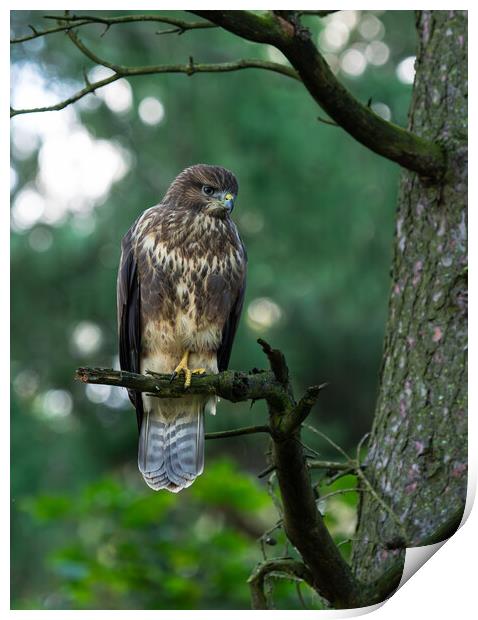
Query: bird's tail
(171,442)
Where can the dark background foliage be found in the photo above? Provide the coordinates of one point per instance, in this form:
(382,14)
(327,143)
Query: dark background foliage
(316,212)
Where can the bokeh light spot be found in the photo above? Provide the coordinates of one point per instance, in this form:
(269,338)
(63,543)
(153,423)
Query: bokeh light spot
(353,62)
(377,53)
(334,36)
(370,27)
(13,179)
(86,338)
(263,313)
(83,224)
(382,110)
(98,394)
(151,111)
(26,383)
(250,222)
(118,96)
(406,70)
(40,239)
(57,403)
(349,18)
(28,208)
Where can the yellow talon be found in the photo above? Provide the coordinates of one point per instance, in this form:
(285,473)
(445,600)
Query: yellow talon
(188,373)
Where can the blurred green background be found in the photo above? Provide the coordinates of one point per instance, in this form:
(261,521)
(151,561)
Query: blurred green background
(316,212)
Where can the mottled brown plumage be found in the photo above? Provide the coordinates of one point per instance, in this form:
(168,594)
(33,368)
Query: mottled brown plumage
(180,290)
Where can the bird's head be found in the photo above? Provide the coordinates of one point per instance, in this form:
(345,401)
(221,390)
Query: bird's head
(210,190)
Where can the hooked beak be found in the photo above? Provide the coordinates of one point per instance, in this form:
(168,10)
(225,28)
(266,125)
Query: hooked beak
(222,207)
(228,201)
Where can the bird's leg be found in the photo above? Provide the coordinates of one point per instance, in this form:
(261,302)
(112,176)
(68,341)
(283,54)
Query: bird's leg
(182,366)
(188,373)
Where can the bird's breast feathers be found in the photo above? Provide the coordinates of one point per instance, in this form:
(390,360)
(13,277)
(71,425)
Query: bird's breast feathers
(190,276)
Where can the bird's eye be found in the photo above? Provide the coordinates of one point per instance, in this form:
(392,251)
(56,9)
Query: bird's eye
(208,190)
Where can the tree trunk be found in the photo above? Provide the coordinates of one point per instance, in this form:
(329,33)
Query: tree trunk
(417,460)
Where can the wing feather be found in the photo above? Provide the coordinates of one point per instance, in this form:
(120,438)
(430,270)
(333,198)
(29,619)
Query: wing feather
(230,327)
(129,317)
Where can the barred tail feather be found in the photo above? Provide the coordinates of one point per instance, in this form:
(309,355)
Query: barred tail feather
(171,443)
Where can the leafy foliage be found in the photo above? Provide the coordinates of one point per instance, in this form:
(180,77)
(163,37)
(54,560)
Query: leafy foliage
(128,547)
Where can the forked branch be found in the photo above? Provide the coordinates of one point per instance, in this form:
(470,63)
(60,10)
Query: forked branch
(323,566)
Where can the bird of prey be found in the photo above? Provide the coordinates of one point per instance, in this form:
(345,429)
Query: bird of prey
(180,292)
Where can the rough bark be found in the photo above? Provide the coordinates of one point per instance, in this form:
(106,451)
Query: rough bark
(417,460)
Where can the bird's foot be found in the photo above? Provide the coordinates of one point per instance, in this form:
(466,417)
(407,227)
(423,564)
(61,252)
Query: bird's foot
(188,373)
(196,371)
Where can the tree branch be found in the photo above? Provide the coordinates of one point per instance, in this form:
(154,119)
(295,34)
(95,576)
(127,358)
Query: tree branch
(89,88)
(247,430)
(284,567)
(326,569)
(332,465)
(284,31)
(121,71)
(305,527)
(235,386)
(77,21)
(276,361)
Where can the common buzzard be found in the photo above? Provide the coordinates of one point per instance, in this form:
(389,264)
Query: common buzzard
(180,291)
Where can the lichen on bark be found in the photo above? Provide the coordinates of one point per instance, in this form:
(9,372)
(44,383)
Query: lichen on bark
(417,460)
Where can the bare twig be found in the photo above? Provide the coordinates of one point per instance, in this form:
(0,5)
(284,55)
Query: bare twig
(270,490)
(266,471)
(77,21)
(308,448)
(383,504)
(359,446)
(277,362)
(304,406)
(90,88)
(266,537)
(247,430)
(330,480)
(124,72)
(42,33)
(121,71)
(332,465)
(279,567)
(328,440)
(342,492)
(326,121)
